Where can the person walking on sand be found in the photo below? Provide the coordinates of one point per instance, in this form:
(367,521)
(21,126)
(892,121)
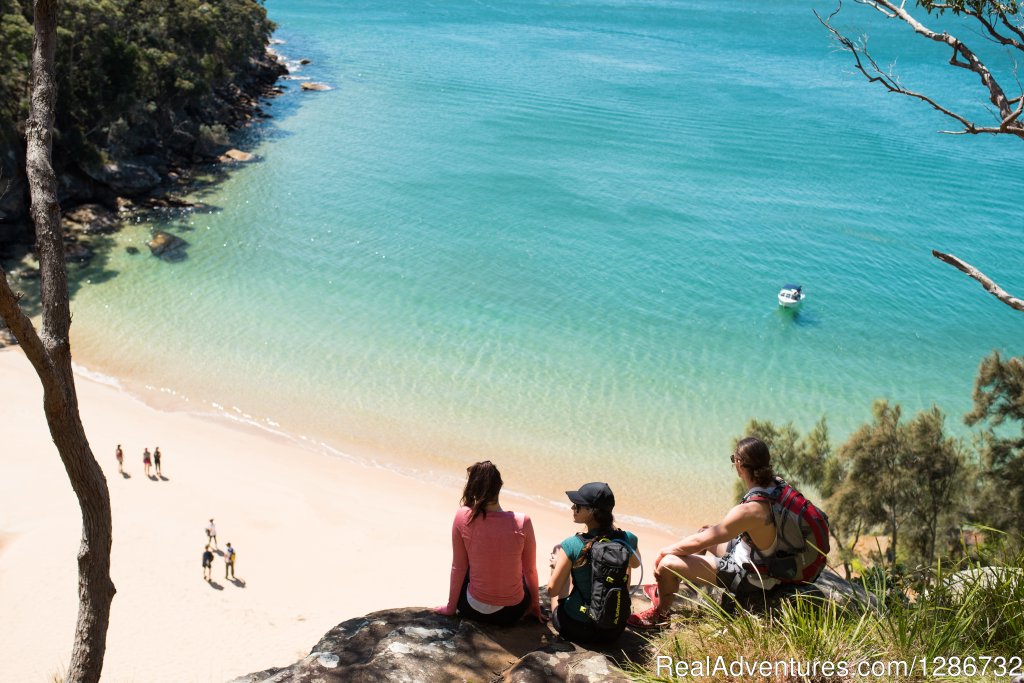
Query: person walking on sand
(207,563)
(156,461)
(146,461)
(229,562)
(119,454)
(211,534)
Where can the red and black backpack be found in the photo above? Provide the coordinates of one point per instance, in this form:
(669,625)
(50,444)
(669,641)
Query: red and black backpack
(802,532)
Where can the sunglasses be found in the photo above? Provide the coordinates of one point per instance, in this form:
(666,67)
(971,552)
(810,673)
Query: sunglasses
(576,507)
(732,458)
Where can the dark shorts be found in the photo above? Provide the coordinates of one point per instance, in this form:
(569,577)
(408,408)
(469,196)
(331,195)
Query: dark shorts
(506,616)
(579,631)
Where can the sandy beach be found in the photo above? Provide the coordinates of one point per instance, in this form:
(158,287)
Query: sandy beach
(320,539)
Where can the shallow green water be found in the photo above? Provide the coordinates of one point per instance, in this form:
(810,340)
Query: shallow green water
(551,234)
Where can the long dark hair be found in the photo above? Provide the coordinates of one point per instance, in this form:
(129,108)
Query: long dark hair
(754,457)
(482,487)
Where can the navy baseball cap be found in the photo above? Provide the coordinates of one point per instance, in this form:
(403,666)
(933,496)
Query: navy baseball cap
(596,494)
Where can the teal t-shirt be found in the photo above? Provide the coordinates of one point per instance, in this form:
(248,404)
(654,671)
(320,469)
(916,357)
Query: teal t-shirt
(582,576)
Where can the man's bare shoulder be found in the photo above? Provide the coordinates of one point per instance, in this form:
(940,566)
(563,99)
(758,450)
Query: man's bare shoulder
(752,514)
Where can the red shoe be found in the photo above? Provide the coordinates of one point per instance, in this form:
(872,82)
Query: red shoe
(648,619)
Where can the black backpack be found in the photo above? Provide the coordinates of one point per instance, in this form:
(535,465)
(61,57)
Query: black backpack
(608,555)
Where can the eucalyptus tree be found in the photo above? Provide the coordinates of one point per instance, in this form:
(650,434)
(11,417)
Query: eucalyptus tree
(999,405)
(49,351)
(938,464)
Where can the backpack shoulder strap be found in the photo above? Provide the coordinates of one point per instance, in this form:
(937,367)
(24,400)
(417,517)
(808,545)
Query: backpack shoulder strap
(765,493)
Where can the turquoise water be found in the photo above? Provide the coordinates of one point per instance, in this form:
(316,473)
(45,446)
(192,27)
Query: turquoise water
(551,234)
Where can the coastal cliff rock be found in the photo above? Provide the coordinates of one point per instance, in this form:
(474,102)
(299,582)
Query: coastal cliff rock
(90,219)
(144,161)
(417,645)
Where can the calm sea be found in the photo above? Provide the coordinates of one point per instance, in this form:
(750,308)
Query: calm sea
(551,234)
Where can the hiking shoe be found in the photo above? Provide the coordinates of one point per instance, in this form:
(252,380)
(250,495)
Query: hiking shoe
(650,618)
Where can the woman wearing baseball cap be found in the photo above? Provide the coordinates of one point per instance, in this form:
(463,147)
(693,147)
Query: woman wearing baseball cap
(571,576)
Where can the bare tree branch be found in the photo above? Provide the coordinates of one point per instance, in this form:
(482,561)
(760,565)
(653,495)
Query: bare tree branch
(1000,38)
(986,282)
(20,325)
(962,57)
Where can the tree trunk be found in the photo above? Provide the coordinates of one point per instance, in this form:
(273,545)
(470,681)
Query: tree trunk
(50,354)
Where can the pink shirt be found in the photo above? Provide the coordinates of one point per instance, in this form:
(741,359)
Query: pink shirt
(501,550)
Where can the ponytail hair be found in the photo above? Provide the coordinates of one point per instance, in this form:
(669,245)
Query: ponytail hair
(482,487)
(605,521)
(753,456)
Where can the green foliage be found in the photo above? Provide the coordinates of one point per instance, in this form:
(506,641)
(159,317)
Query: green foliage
(796,459)
(970,610)
(999,406)
(129,60)
(971,7)
(15,47)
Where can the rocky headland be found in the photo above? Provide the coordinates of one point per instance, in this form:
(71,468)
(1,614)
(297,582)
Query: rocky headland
(146,170)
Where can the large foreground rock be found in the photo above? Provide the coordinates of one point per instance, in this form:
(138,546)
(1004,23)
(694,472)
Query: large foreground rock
(416,645)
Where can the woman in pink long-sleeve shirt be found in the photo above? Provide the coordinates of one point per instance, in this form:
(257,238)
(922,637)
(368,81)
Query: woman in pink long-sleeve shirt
(494,555)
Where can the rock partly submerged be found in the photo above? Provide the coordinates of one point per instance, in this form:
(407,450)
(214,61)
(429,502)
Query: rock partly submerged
(236,155)
(167,246)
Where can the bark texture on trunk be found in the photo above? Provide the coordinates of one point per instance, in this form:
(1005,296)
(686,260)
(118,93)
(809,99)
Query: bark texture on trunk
(50,354)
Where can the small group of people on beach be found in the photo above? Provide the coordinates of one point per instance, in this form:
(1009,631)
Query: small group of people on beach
(228,554)
(149,460)
(494,571)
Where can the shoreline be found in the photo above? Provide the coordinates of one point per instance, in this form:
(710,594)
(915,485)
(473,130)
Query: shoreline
(410,465)
(320,539)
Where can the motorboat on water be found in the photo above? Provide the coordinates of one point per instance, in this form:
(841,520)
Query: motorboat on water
(790,296)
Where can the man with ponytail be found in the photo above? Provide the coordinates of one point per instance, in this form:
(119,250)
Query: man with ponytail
(744,553)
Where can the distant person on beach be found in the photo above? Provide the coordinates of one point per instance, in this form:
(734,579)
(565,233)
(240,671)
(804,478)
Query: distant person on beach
(156,461)
(119,454)
(146,461)
(207,563)
(229,562)
(494,555)
(574,612)
(211,534)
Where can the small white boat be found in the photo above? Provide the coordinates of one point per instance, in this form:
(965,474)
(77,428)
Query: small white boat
(790,296)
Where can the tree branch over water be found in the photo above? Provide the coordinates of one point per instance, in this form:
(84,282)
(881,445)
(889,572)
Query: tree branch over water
(993,15)
(990,286)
